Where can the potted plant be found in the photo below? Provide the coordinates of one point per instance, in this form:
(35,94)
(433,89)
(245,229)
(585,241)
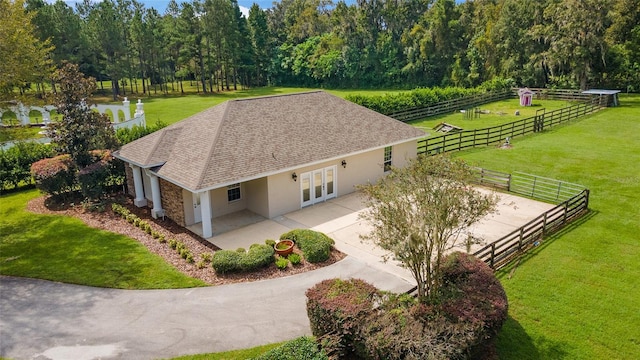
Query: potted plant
(284,247)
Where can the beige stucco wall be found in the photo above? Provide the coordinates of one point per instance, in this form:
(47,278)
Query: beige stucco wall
(284,193)
(257,196)
(278,194)
(220,204)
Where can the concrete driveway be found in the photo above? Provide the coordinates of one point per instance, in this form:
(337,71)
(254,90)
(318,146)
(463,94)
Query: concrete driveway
(46,320)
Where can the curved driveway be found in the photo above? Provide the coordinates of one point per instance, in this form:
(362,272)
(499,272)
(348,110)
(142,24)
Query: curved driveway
(47,320)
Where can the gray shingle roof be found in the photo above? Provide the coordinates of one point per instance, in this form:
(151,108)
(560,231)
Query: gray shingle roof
(248,138)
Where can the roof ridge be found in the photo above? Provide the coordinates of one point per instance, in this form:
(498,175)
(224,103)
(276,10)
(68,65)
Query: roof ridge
(209,157)
(279,95)
(158,141)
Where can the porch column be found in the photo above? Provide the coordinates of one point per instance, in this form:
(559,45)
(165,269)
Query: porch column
(205,209)
(155,195)
(138,186)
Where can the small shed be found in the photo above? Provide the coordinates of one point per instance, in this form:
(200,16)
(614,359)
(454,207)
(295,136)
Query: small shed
(609,97)
(526,97)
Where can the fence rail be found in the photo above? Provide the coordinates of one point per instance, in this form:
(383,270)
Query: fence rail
(497,134)
(450,106)
(502,251)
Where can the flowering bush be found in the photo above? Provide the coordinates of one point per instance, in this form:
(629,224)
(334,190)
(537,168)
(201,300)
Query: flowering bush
(54,176)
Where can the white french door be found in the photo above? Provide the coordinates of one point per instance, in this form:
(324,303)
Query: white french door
(318,185)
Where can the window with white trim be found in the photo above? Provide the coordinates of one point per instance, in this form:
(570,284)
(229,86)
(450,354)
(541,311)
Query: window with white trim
(387,158)
(233,192)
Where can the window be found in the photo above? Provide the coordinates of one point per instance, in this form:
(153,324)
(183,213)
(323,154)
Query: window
(233,192)
(387,158)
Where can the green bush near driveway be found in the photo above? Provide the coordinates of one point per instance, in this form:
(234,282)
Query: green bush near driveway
(315,246)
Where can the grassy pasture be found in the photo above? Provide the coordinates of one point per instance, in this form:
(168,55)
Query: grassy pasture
(577,295)
(501,112)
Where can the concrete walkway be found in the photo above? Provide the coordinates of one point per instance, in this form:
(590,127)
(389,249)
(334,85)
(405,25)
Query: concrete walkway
(46,320)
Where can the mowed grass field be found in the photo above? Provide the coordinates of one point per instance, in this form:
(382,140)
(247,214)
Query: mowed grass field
(578,295)
(62,248)
(173,108)
(500,112)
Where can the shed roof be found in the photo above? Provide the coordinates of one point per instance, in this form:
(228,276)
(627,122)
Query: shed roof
(600,92)
(245,139)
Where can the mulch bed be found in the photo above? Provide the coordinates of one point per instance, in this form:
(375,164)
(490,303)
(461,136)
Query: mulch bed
(109,221)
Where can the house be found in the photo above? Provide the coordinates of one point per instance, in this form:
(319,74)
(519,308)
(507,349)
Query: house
(269,155)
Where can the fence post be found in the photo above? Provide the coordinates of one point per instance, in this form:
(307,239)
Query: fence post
(520,238)
(509,182)
(544,224)
(533,187)
(493,254)
(558,193)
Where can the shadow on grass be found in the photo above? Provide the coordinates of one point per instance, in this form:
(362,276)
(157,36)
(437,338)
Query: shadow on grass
(514,343)
(513,265)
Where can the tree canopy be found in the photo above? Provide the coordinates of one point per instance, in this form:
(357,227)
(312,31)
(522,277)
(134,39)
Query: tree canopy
(405,43)
(419,211)
(25,58)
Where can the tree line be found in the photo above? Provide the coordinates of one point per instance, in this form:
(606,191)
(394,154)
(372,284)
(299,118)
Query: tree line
(321,43)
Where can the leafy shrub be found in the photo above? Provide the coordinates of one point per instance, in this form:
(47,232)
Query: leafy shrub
(258,257)
(295,259)
(162,239)
(206,256)
(120,210)
(173,243)
(473,296)
(226,261)
(54,176)
(131,219)
(127,135)
(270,242)
(201,264)
(423,97)
(315,246)
(282,263)
(155,234)
(15,162)
(296,349)
(241,250)
(354,318)
(336,308)
(179,246)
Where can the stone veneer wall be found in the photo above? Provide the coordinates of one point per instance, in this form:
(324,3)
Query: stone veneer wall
(128,173)
(172,201)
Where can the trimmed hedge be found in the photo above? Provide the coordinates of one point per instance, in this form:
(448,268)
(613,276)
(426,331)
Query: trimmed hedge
(302,348)
(315,246)
(15,162)
(229,261)
(354,318)
(55,175)
(423,97)
(336,310)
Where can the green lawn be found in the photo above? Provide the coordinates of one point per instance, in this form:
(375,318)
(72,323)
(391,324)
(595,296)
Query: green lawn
(62,248)
(173,108)
(578,297)
(501,112)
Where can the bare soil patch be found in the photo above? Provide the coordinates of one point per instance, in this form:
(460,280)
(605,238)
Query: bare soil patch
(107,220)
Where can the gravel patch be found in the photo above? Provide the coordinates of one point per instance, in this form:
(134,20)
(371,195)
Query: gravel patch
(109,221)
